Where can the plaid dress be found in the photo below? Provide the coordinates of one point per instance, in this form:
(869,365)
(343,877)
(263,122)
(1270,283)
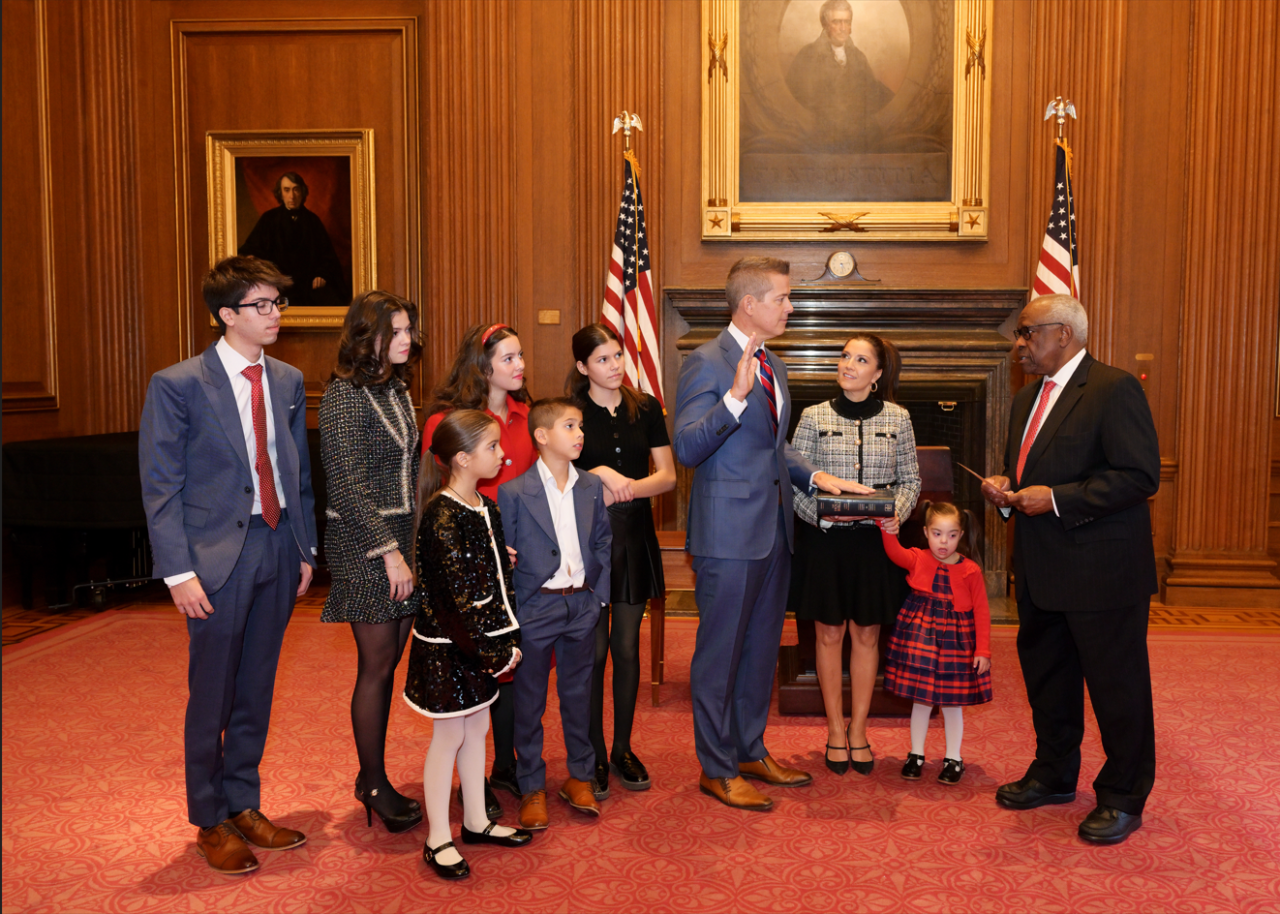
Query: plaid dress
(930,656)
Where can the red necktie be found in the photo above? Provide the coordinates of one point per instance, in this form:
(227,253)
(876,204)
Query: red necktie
(767,382)
(262,461)
(1030,437)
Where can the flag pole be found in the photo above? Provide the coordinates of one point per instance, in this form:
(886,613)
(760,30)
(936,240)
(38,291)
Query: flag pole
(1062,107)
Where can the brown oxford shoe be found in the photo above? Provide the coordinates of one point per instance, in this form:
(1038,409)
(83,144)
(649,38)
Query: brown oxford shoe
(258,831)
(771,772)
(225,850)
(533,811)
(735,792)
(580,796)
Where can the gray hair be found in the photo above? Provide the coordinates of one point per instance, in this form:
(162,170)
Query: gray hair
(824,14)
(1063,309)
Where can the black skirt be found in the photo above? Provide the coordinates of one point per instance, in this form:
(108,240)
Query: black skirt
(843,574)
(636,572)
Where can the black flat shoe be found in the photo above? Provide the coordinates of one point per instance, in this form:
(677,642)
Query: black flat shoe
(492,808)
(863,768)
(952,769)
(1108,825)
(407,815)
(519,839)
(630,770)
(840,768)
(1029,793)
(600,782)
(458,870)
(506,779)
(914,766)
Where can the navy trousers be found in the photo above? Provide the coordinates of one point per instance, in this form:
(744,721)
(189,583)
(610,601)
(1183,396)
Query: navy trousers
(1062,651)
(232,674)
(563,625)
(741,607)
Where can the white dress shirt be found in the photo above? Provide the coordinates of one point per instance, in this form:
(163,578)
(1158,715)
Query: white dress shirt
(572,571)
(1059,379)
(738,406)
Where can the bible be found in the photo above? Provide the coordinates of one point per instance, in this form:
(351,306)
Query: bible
(855,505)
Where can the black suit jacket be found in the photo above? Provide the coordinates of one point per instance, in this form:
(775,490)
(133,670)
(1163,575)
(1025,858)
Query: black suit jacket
(1097,450)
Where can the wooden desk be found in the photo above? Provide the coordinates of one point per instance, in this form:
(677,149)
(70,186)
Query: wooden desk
(677,569)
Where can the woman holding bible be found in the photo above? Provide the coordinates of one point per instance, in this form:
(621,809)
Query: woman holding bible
(841,577)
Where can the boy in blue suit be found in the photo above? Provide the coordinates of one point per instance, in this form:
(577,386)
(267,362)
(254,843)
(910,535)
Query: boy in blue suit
(554,518)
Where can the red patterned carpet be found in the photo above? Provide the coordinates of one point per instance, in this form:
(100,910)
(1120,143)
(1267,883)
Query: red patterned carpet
(94,812)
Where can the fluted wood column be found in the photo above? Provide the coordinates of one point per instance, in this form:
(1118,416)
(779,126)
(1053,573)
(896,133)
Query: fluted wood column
(1232,285)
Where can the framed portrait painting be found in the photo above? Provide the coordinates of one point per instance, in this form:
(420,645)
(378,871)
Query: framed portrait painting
(866,117)
(304,201)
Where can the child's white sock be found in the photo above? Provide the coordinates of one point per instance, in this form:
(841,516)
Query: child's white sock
(919,726)
(953,724)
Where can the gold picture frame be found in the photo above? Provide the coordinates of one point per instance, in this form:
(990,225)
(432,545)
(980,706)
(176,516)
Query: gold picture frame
(239,162)
(751,76)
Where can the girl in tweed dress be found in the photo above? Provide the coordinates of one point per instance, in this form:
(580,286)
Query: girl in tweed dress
(940,653)
(841,577)
(369,446)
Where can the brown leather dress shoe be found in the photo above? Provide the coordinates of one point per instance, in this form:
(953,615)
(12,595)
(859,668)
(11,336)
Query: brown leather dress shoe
(735,792)
(258,831)
(533,811)
(580,796)
(771,772)
(225,850)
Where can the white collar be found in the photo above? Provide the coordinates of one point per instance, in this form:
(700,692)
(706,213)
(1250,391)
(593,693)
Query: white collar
(1063,374)
(233,361)
(742,339)
(544,473)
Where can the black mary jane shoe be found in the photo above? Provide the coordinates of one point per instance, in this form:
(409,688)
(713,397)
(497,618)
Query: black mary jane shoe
(1108,825)
(406,815)
(914,767)
(519,839)
(842,767)
(863,768)
(458,870)
(492,808)
(630,770)
(505,778)
(600,781)
(952,770)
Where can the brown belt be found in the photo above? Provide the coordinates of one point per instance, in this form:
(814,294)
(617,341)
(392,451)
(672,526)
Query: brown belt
(563,590)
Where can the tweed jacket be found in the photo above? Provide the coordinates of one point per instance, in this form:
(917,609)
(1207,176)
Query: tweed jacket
(879,452)
(369,445)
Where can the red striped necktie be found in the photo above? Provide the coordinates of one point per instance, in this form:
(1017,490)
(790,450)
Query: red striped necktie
(770,386)
(262,460)
(1034,427)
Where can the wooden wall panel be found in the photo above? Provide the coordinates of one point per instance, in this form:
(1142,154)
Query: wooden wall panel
(1229,309)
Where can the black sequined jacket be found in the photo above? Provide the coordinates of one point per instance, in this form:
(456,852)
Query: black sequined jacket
(465,574)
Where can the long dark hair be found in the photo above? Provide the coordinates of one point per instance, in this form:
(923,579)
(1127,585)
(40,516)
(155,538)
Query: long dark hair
(458,433)
(467,386)
(887,360)
(366,340)
(577,386)
(970,545)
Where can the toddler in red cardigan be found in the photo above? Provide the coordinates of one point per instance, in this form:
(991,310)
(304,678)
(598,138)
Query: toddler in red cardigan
(940,652)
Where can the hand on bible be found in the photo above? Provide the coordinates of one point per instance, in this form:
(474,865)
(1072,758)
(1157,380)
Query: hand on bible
(834,485)
(888,524)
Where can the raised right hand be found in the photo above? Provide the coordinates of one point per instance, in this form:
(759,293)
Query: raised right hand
(190,599)
(399,575)
(745,377)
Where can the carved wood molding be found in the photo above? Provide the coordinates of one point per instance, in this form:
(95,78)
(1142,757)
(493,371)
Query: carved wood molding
(1231,286)
(1078,52)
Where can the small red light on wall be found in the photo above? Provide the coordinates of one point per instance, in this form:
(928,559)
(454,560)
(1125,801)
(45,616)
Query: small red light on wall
(1143,376)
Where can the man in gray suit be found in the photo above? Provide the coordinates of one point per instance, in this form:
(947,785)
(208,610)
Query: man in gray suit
(226,482)
(732,408)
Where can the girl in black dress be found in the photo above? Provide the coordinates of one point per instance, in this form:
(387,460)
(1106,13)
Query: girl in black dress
(465,635)
(625,430)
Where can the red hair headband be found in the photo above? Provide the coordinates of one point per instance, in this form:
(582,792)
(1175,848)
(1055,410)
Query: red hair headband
(484,337)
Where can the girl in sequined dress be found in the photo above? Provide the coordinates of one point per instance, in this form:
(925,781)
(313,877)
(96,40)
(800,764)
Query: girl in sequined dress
(465,635)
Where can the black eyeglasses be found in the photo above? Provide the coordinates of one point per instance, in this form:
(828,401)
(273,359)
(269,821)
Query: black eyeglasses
(1025,332)
(264,305)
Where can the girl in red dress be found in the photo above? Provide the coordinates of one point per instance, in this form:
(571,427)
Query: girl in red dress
(940,653)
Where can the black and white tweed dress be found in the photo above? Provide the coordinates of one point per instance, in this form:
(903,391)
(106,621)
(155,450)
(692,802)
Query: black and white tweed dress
(369,445)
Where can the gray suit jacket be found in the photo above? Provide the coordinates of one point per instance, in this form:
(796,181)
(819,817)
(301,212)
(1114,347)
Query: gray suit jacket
(740,467)
(197,478)
(528,528)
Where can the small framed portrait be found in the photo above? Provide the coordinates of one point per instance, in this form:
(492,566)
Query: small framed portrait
(867,117)
(304,201)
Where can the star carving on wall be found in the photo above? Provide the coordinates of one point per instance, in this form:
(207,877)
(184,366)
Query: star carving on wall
(717,221)
(973,219)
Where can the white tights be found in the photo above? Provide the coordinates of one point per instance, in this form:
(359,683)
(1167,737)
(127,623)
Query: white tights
(460,738)
(952,722)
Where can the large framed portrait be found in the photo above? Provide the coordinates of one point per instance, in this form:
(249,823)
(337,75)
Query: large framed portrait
(304,201)
(865,117)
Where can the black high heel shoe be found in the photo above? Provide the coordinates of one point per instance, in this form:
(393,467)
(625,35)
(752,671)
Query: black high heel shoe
(840,768)
(519,839)
(402,802)
(863,768)
(408,816)
(458,870)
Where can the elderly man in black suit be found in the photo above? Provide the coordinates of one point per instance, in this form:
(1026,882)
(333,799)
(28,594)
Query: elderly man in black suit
(1081,462)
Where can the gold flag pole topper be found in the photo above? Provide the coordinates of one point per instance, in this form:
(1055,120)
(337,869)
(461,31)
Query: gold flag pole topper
(625,122)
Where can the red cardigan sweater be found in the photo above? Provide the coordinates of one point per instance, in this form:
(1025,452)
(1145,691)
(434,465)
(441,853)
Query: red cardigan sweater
(968,589)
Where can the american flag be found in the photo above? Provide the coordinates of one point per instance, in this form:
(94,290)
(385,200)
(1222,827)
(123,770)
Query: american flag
(1059,270)
(628,298)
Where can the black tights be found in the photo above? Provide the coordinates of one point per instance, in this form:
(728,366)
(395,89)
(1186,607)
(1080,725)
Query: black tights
(380,646)
(623,641)
(502,716)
